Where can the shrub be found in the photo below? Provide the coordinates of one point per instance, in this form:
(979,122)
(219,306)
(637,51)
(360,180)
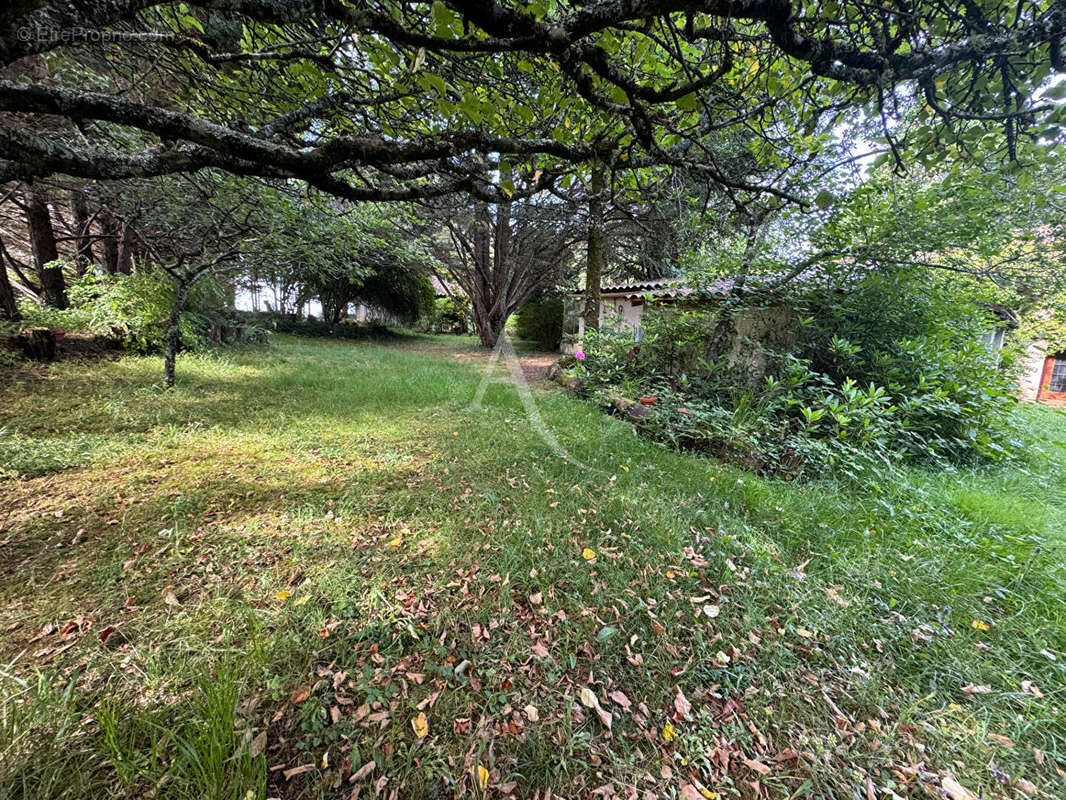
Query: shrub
(447,316)
(131,308)
(883,371)
(540,320)
(299,325)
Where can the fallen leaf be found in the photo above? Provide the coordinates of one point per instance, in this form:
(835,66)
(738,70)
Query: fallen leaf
(588,554)
(481,775)
(531,713)
(420,725)
(258,745)
(722,658)
(300,770)
(669,734)
(711,611)
(171,599)
(806,634)
(283,595)
(955,790)
(1001,739)
(758,766)
(587,697)
(979,689)
(299,694)
(980,626)
(536,599)
(363,771)
(396,542)
(681,703)
(620,699)
(1026,786)
(1027,686)
(105,634)
(604,715)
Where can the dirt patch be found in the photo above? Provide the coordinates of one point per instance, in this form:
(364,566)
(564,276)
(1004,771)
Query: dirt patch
(535,363)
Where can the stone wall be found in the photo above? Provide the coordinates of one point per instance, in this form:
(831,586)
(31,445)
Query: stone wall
(756,330)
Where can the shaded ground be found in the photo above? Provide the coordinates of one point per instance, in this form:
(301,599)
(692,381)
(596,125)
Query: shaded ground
(261,581)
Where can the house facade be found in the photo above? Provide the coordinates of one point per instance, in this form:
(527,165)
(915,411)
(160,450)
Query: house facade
(1043,376)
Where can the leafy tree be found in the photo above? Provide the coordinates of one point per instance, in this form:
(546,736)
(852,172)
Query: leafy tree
(282,88)
(499,254)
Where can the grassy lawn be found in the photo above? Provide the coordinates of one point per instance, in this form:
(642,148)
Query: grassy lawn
(257,585)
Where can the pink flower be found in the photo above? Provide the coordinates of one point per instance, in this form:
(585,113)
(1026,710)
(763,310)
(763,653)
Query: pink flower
(579,355)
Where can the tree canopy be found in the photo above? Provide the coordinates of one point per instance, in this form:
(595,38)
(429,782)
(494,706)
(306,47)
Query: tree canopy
(385,100)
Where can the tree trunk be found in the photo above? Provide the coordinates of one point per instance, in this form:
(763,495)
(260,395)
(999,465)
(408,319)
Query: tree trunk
(125,251)
(110,228)
(489,323)
(43,242)
(173,342)
(8,307)
(594,248)
(82,232)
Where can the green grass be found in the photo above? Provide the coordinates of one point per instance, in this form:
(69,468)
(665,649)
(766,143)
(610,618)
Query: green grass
(277,565)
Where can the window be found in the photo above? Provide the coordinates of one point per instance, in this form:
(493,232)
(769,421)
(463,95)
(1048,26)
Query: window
(1058,376)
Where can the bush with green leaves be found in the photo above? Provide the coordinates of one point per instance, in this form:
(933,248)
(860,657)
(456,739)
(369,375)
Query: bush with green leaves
(883,370)
(448,315)
(540,320)
(132,309)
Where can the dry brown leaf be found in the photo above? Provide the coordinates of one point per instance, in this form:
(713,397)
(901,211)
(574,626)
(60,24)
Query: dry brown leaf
(620,699)
(604,715)
(258,745)
(299,694)
(758,766)
(363,771)
(300,770)
(955,790)
(681,703)
(1026,786)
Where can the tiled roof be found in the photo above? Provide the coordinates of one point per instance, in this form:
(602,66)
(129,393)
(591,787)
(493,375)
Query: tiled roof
(663,287)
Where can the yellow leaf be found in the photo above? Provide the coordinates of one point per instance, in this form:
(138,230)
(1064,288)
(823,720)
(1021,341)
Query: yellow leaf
(588,554)
(981,626)
(283,595)
(722,657)
(669,734)
(396,542)
(301,600)
(806,634)
(624,467)
(482,776)
(420,725)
